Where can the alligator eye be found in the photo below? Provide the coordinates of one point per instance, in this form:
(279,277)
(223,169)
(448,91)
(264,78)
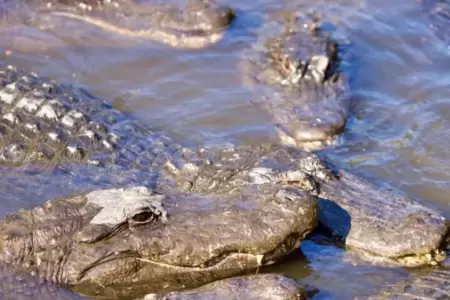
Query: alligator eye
(142,217)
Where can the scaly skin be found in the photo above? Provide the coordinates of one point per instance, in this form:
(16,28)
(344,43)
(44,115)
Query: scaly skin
(197,24)
(133,241)
(73,128)
(254,287)
(44,122)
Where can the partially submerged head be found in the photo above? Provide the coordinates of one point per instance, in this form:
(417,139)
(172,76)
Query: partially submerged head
(304,90)
(194,24)
(313,110)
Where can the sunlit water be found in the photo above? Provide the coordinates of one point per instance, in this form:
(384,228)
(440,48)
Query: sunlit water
(398,134)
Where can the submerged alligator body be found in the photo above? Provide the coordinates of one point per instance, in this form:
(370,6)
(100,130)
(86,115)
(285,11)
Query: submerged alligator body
(255,287)
(128,242)
(197,24)
(16,285)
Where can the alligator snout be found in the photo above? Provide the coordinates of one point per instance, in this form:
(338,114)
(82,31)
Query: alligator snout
(313,134)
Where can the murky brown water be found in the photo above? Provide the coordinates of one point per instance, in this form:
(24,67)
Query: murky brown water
(399,133)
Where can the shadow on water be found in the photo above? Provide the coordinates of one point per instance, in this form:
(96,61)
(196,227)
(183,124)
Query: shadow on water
(334,221)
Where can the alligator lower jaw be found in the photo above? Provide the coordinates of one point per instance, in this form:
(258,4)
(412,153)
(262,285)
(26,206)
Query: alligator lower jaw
(149,276)
(307,146)
(358,257)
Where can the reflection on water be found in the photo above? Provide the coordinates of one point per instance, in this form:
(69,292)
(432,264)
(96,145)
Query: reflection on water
(398,134)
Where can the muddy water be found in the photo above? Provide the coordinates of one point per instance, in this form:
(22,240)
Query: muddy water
(399,132)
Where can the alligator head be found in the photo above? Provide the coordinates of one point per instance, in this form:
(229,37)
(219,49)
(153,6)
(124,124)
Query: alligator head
(381,226)
(197,24)
(299,83)
(134,241)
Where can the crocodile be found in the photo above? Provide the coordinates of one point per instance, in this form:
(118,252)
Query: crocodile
(253,287)
(197,24)
(131,241)
(45,126)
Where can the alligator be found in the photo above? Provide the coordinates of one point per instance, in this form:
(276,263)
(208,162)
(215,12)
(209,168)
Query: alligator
(295,76)
(47,126)
(298,72)
(200,23)
(131,241)
(253,287)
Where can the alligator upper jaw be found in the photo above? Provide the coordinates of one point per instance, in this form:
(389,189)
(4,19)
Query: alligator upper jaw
(149,276)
